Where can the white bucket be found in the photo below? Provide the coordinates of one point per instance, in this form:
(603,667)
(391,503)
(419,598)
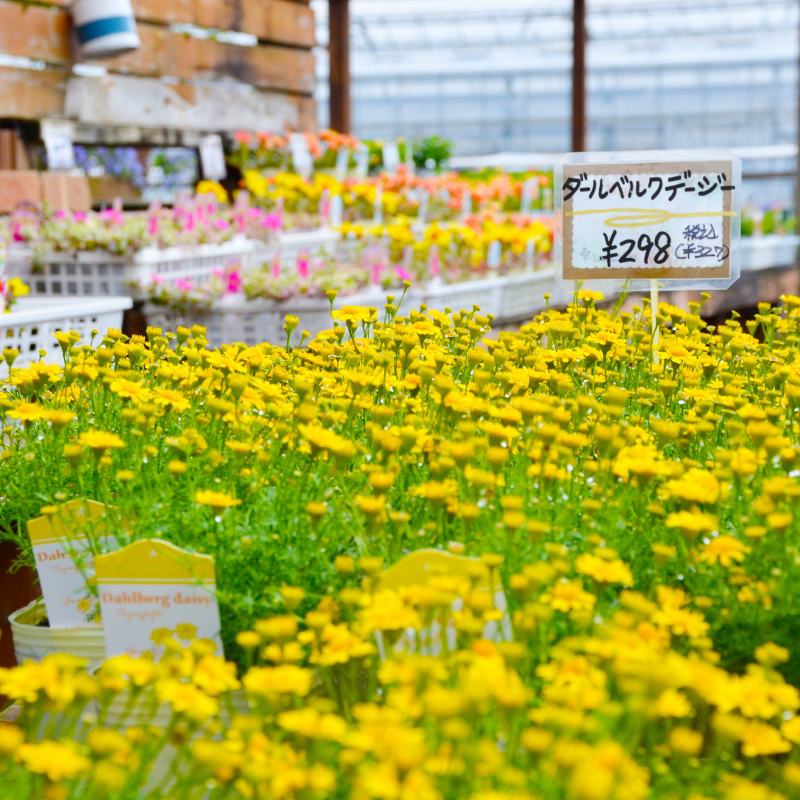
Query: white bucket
(105,28)
(32,642)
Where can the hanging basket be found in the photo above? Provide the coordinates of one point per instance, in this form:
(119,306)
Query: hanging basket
(105,28)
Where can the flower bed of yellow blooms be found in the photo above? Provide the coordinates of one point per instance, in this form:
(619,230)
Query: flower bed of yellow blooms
(640,512)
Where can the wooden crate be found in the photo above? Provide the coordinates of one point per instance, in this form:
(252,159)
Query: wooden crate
(211,85)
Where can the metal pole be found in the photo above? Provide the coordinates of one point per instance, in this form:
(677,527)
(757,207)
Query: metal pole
(797,182)
(578,76)
(339,52)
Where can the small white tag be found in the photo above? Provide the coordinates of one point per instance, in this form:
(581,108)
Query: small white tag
(152,585)
(212,157)
(58,144)
(391,157)
(301,155)
(77,527)
(342,163)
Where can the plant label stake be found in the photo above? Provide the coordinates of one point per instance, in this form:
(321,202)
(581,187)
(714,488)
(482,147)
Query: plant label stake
(64,544)
(647,221)
(151,585)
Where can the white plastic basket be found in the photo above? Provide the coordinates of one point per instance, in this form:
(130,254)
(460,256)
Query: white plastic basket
(29,327)
(235,319)
(291,244)
(99,273)
(523,295)
(487,294)
(768,252)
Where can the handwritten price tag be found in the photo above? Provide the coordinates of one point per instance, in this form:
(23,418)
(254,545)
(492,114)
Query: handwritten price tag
(76,530)
(671,218)
(150,585)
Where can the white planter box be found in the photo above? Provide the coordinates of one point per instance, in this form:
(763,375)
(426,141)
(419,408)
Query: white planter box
(29,327)
(235,319)
(99,273)
(768,252)
(291,244)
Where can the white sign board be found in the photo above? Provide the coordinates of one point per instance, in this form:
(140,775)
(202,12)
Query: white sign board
(57,138)
(152,585)
(301,155)
(78,527)
(671,216)
(212,157)
(391,157)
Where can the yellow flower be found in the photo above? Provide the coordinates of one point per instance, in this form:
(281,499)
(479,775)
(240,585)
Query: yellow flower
(671,703)
(187,700)
(18,288)
(217,500)
(215,676)
(58,761)
(269,682)
(570,596)
(339,645)
(604,571)
(100,441)
(724,549)
(352,314)
(760,739)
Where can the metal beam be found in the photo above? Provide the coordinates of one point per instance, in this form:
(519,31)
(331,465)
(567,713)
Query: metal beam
(339,77)
(578,76)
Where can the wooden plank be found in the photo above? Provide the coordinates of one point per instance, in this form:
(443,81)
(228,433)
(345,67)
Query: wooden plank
(150,103)
(31,94)
(41,34)
(280,21)
(178,55)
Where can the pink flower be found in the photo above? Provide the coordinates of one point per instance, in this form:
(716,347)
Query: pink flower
(220,273)
(403,274)
(222,224)
(61,214)
(184,285)
(234,282)
(157,278)
(19,236)
(434,262)
(191,223)
(152,228)
(276,267)
(302,265)
(253,213)
(110,215)
(272,221)
(242,137)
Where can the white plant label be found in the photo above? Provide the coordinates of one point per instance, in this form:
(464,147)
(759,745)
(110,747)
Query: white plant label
(152,585)
(657,219)
(55,539)
(212,157)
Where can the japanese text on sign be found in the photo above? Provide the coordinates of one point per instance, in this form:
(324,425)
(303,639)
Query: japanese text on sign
(648,220)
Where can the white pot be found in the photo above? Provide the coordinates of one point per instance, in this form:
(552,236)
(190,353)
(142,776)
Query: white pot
(105,28)
(33,643)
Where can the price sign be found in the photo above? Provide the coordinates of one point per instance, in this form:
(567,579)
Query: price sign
(342,164)
(151,585)
(671,217)
(391,157)
(58,144)
(212,157)
(301,155)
